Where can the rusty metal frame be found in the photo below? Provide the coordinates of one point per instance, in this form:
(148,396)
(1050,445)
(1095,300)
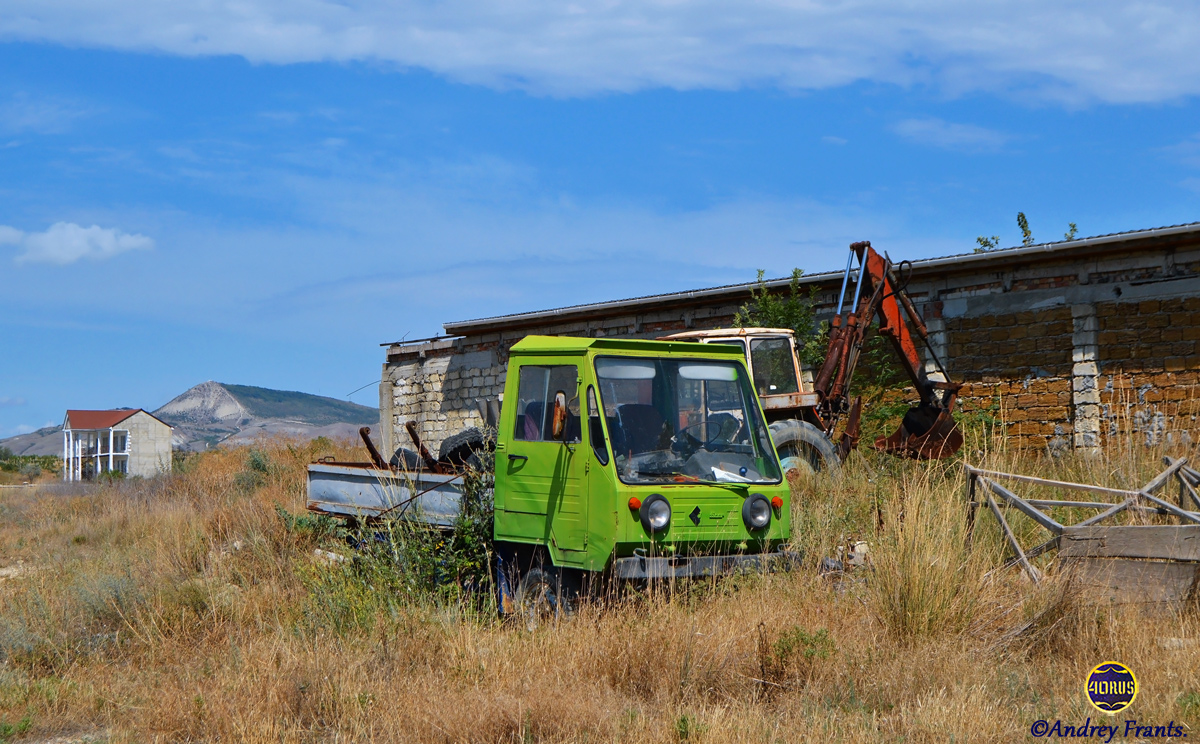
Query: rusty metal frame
(983,489)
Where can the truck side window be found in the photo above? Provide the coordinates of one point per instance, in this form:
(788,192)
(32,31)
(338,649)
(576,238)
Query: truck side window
(774,367)
(536,388)
(595,428)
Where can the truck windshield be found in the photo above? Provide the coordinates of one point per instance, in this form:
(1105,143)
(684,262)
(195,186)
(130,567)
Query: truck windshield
(684,421)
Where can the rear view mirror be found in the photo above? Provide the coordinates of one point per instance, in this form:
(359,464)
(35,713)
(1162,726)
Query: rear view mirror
(558,425)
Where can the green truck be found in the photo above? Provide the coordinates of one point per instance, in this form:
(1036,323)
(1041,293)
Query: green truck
(614,459)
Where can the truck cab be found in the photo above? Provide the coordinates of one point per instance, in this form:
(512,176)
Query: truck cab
(636,459)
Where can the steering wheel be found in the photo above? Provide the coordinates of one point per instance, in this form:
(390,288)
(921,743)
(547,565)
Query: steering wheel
(713,433)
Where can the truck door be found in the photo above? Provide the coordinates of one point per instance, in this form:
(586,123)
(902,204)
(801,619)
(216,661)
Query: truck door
(543,475)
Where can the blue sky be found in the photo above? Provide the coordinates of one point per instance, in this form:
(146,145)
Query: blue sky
(263,192)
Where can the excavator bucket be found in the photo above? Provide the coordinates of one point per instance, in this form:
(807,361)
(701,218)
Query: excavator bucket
(926,433)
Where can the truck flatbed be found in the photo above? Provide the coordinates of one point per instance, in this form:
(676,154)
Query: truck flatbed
(363,491)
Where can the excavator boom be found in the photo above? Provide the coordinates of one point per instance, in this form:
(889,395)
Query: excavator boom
(928,430)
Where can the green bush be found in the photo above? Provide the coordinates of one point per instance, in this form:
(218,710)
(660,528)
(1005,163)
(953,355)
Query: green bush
(18,463)
(109,477)
(793,654)
(402,562)
(258,461)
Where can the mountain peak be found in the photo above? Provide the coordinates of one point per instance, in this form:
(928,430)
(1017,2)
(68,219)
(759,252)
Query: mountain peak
(215,412)
(206,403)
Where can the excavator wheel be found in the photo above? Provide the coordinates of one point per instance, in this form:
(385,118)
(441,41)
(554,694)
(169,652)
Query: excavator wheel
(803,449)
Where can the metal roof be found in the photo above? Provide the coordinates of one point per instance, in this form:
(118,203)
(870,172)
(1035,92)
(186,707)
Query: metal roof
(97,419)
(957,261)
(87,420)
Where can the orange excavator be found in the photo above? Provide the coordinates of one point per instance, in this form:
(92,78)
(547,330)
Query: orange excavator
(804,410)
(928,430)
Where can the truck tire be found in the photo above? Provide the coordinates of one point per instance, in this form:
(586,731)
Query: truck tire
(406,459)
(803,448)
(458,448)
(545,595)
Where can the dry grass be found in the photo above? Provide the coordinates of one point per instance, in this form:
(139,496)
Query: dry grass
(184,610)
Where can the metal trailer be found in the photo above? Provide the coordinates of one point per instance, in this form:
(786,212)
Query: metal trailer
(363,491)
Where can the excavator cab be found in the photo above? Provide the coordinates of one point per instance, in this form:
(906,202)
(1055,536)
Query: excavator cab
(781,381)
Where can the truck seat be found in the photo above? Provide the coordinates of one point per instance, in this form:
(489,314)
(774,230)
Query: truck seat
(533,426)
(640,428)
(529,426)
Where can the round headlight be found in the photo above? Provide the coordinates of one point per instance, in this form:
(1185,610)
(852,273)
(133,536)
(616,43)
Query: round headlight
(655,513)
(756,512)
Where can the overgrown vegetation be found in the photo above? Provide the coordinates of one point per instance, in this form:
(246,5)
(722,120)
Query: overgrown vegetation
(196,607)
(28,467)
(793,309)
(401,562)
(992,243)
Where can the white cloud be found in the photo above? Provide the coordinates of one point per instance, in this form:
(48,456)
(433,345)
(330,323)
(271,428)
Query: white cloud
(23,113)
(1076,50)
(7,402)
(19,429)
(10,235)
(951,136)
(66,242)
(1186,152)
(435,258)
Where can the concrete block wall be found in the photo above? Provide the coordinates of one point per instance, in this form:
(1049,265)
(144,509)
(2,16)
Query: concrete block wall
(1006,346)
(1059,355)
(1017,368)
(149,445)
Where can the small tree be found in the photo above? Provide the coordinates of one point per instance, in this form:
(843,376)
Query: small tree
(990,244)
(793,310)
(1026,233)
(987,244)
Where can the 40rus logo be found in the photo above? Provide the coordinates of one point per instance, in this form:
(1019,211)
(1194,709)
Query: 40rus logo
(1111,687)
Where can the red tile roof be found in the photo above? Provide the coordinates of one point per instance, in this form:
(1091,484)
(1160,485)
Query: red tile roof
(98,419)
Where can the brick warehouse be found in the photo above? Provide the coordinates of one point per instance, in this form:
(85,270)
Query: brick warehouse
(1070,342)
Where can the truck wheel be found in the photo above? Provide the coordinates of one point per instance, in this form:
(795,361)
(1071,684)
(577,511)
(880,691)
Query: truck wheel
(544,595)
(457,448)
(803,448)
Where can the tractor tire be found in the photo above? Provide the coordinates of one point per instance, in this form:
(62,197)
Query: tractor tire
(457,448)
(803,449)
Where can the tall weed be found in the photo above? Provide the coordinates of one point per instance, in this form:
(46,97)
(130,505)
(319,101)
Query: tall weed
(925,584)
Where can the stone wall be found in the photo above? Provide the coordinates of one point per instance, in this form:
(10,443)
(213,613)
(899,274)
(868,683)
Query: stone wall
(1066,345)
(1148,368)
(1108,350)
